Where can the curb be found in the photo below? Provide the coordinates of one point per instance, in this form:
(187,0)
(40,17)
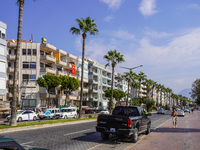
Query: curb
(33,127)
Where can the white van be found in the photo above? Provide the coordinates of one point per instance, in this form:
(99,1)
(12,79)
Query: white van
(67,112)
(49,113)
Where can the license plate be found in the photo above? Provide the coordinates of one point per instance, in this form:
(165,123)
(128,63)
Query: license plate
(112,129)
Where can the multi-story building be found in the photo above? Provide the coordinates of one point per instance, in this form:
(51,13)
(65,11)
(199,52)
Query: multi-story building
(99,81)
(3,61)
(29,64)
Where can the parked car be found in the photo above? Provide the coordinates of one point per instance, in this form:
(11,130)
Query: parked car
(161,111)
(125,121)
(49,113)
(68,112)
(105,111)
(186,110)
(24,115)
(181,113)
(10,144)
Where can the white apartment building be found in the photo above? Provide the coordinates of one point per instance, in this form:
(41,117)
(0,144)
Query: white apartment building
(3,61)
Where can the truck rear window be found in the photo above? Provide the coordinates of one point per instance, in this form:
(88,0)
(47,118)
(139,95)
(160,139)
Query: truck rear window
(125,111)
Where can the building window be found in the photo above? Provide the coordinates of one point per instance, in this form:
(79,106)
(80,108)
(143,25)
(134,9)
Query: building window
(10,52)
(23,51)
(29,51)
(29,102)
(33,77)
(25,65)
(29,65)
(15,51)
(33,65)
(3,36)
(34,52)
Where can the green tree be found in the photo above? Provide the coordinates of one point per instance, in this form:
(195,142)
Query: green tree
(195,92)
(129,77)
(117,95)
(141,77)
(85,26)
(150,103)
(113,58)
(49,82)
(68,84)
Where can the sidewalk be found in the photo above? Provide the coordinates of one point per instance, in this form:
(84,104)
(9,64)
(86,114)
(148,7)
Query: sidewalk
(185,137)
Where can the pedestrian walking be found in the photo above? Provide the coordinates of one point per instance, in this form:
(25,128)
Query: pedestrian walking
(192,110)
(174,118)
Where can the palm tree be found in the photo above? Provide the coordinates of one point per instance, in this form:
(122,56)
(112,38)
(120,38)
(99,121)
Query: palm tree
(158,87)
(85,26)
(134,84)
(129,76)
(141,77)
(152,87)
(13,121)
(168,90)
(113,58)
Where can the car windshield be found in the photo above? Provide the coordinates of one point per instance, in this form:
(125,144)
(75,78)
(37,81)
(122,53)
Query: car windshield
(18,112)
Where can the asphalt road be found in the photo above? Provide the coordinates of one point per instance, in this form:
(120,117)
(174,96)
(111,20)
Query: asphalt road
(77,136)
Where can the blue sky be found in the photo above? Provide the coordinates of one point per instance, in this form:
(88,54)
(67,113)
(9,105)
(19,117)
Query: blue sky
(162,35)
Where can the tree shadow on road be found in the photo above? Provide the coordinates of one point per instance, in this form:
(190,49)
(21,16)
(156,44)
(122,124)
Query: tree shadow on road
(179,130)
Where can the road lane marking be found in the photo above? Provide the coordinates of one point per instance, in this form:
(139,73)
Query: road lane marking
(77,132)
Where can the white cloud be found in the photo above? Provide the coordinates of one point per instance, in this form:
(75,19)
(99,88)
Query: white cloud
(113,4)
(155,34)
(122,34)
(194,6)
(108,18)
(173,63)
(147,7)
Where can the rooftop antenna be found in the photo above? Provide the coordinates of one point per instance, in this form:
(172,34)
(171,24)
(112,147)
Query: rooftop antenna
(31,38)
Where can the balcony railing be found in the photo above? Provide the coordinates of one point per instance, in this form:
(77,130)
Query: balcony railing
(48,70)
(47,58)
(11,57)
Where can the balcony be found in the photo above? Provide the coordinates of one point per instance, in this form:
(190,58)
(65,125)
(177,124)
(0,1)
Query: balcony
(72,97)
(72,57)
(9,95)
(10,69)
(10,82)
(47,47)
(11,44)
(11,57)
(93,99)
(68,66)
(84,79)
(60,73)
(46,95)
(47,59)
(61,63)
(62,52)
(48,70)
(93,90)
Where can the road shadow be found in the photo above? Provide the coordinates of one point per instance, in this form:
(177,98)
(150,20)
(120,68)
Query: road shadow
(179,130)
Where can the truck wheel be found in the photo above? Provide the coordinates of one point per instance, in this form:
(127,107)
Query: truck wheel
(134,136)
(148,129)
(104,136)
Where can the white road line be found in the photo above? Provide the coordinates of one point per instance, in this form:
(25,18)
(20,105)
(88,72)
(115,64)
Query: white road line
(77,132)
(26,143)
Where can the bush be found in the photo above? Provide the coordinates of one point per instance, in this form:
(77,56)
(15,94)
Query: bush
(90,116)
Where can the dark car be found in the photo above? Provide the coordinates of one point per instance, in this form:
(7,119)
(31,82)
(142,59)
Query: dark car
(10,144)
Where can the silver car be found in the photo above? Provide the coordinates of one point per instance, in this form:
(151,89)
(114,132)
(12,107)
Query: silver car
(181,113)
(161,111)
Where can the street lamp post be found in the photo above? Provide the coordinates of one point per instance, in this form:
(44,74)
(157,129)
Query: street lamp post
(129,79)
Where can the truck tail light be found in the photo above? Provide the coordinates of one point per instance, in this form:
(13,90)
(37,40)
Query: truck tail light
(97,120)
(129,123)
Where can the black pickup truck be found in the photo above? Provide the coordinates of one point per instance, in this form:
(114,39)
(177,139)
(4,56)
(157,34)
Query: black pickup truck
(125,121)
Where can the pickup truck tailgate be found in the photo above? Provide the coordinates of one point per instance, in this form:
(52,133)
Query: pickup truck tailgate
(112,121)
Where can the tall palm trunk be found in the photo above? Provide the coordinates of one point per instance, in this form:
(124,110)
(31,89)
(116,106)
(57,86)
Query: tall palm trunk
(111,99)
(82,67)
(127,94)
(16,66)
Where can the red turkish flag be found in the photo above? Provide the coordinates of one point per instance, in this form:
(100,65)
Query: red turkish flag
(73,69)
